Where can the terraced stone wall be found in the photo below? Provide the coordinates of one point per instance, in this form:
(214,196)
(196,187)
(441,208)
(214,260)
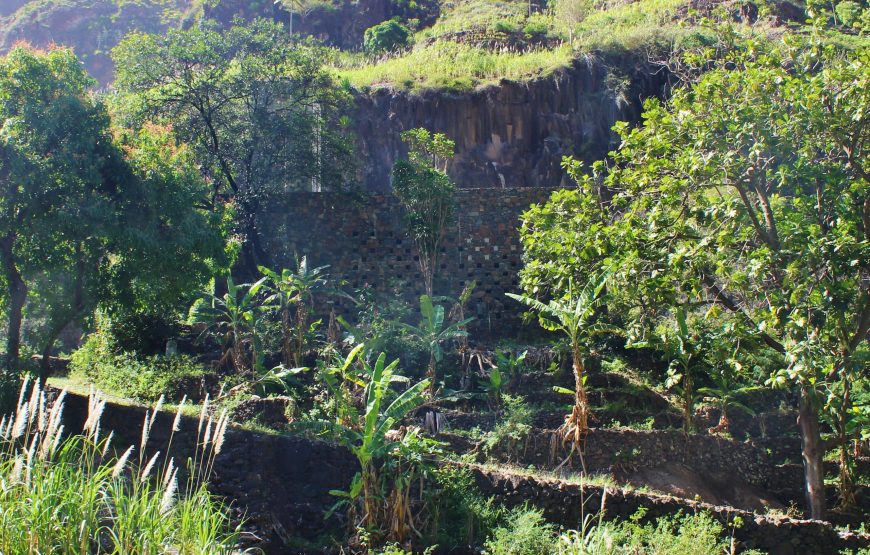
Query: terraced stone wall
(364,242)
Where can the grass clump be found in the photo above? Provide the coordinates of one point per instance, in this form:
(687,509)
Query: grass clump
(73,496)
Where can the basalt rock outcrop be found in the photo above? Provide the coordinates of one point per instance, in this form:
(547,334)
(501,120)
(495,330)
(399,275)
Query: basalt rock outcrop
(512,134)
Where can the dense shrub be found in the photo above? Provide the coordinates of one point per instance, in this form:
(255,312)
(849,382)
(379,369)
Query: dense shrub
(387,36)
(697,534)
(129,375)
(525,533)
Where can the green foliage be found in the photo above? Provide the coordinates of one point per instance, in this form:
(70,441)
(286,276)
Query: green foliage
(387,36)
(259,110)
(459,515)
(293,290)
(127,374)
(379,325)
(235,320)
(91,221)
(446,65)
(527,533)
(697,534)
(425,190)
(722,203)
(73,496)
(514,427)
(575,315)
(378,497)
(434,332)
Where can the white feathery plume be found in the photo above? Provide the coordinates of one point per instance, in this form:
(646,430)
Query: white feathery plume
(122,462)
(220,432)
(23,391)
(146,428)
(207,433)
(34,398)
(158,406)
(176,424)
(31,451)
(3,428)
(107,444)
(168,499)
(202,414)
(169,471)
(148,467)
(43,414)
(56,410)
(20,422)
(15,476)
(56,442)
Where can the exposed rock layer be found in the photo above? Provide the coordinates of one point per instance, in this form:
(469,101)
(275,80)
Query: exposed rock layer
(510,135)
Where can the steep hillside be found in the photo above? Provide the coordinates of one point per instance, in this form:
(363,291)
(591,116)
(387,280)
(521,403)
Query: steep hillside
(90,27)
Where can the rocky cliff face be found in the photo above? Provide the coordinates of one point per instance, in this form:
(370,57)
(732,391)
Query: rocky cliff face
(513,134)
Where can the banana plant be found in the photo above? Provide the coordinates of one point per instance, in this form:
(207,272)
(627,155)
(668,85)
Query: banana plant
(726,394)
(576,317)
(370,440)
(233,318)
(293,293)
(433,331)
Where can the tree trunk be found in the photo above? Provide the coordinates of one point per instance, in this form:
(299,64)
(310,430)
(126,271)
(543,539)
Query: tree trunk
(813,454)
(286,337)
(17,290)
(431,374)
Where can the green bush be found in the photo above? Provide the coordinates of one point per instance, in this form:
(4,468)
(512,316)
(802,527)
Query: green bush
(526,533)
(514,427)
(536,27)
(849,12)
(459,514)
(504,26)
(697,534)
(387,36)
(128,375)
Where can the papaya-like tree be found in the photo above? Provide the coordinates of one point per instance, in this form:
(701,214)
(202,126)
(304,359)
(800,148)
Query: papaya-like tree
(747,195)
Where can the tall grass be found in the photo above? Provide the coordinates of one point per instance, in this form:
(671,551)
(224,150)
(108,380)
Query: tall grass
(72,495)
(453,66)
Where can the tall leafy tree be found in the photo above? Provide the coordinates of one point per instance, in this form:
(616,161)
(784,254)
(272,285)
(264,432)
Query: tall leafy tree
(84,221)
(747,196)
(260,111)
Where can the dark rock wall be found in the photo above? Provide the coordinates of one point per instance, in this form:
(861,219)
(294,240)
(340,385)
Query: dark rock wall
(510,135)
(364,242)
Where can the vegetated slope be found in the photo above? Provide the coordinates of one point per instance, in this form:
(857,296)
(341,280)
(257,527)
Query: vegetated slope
(91,27)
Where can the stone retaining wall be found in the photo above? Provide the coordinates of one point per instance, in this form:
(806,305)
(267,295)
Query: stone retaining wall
(364,242)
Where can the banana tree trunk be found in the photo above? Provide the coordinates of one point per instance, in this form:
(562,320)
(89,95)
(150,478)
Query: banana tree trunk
(286,337)
(577,423)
